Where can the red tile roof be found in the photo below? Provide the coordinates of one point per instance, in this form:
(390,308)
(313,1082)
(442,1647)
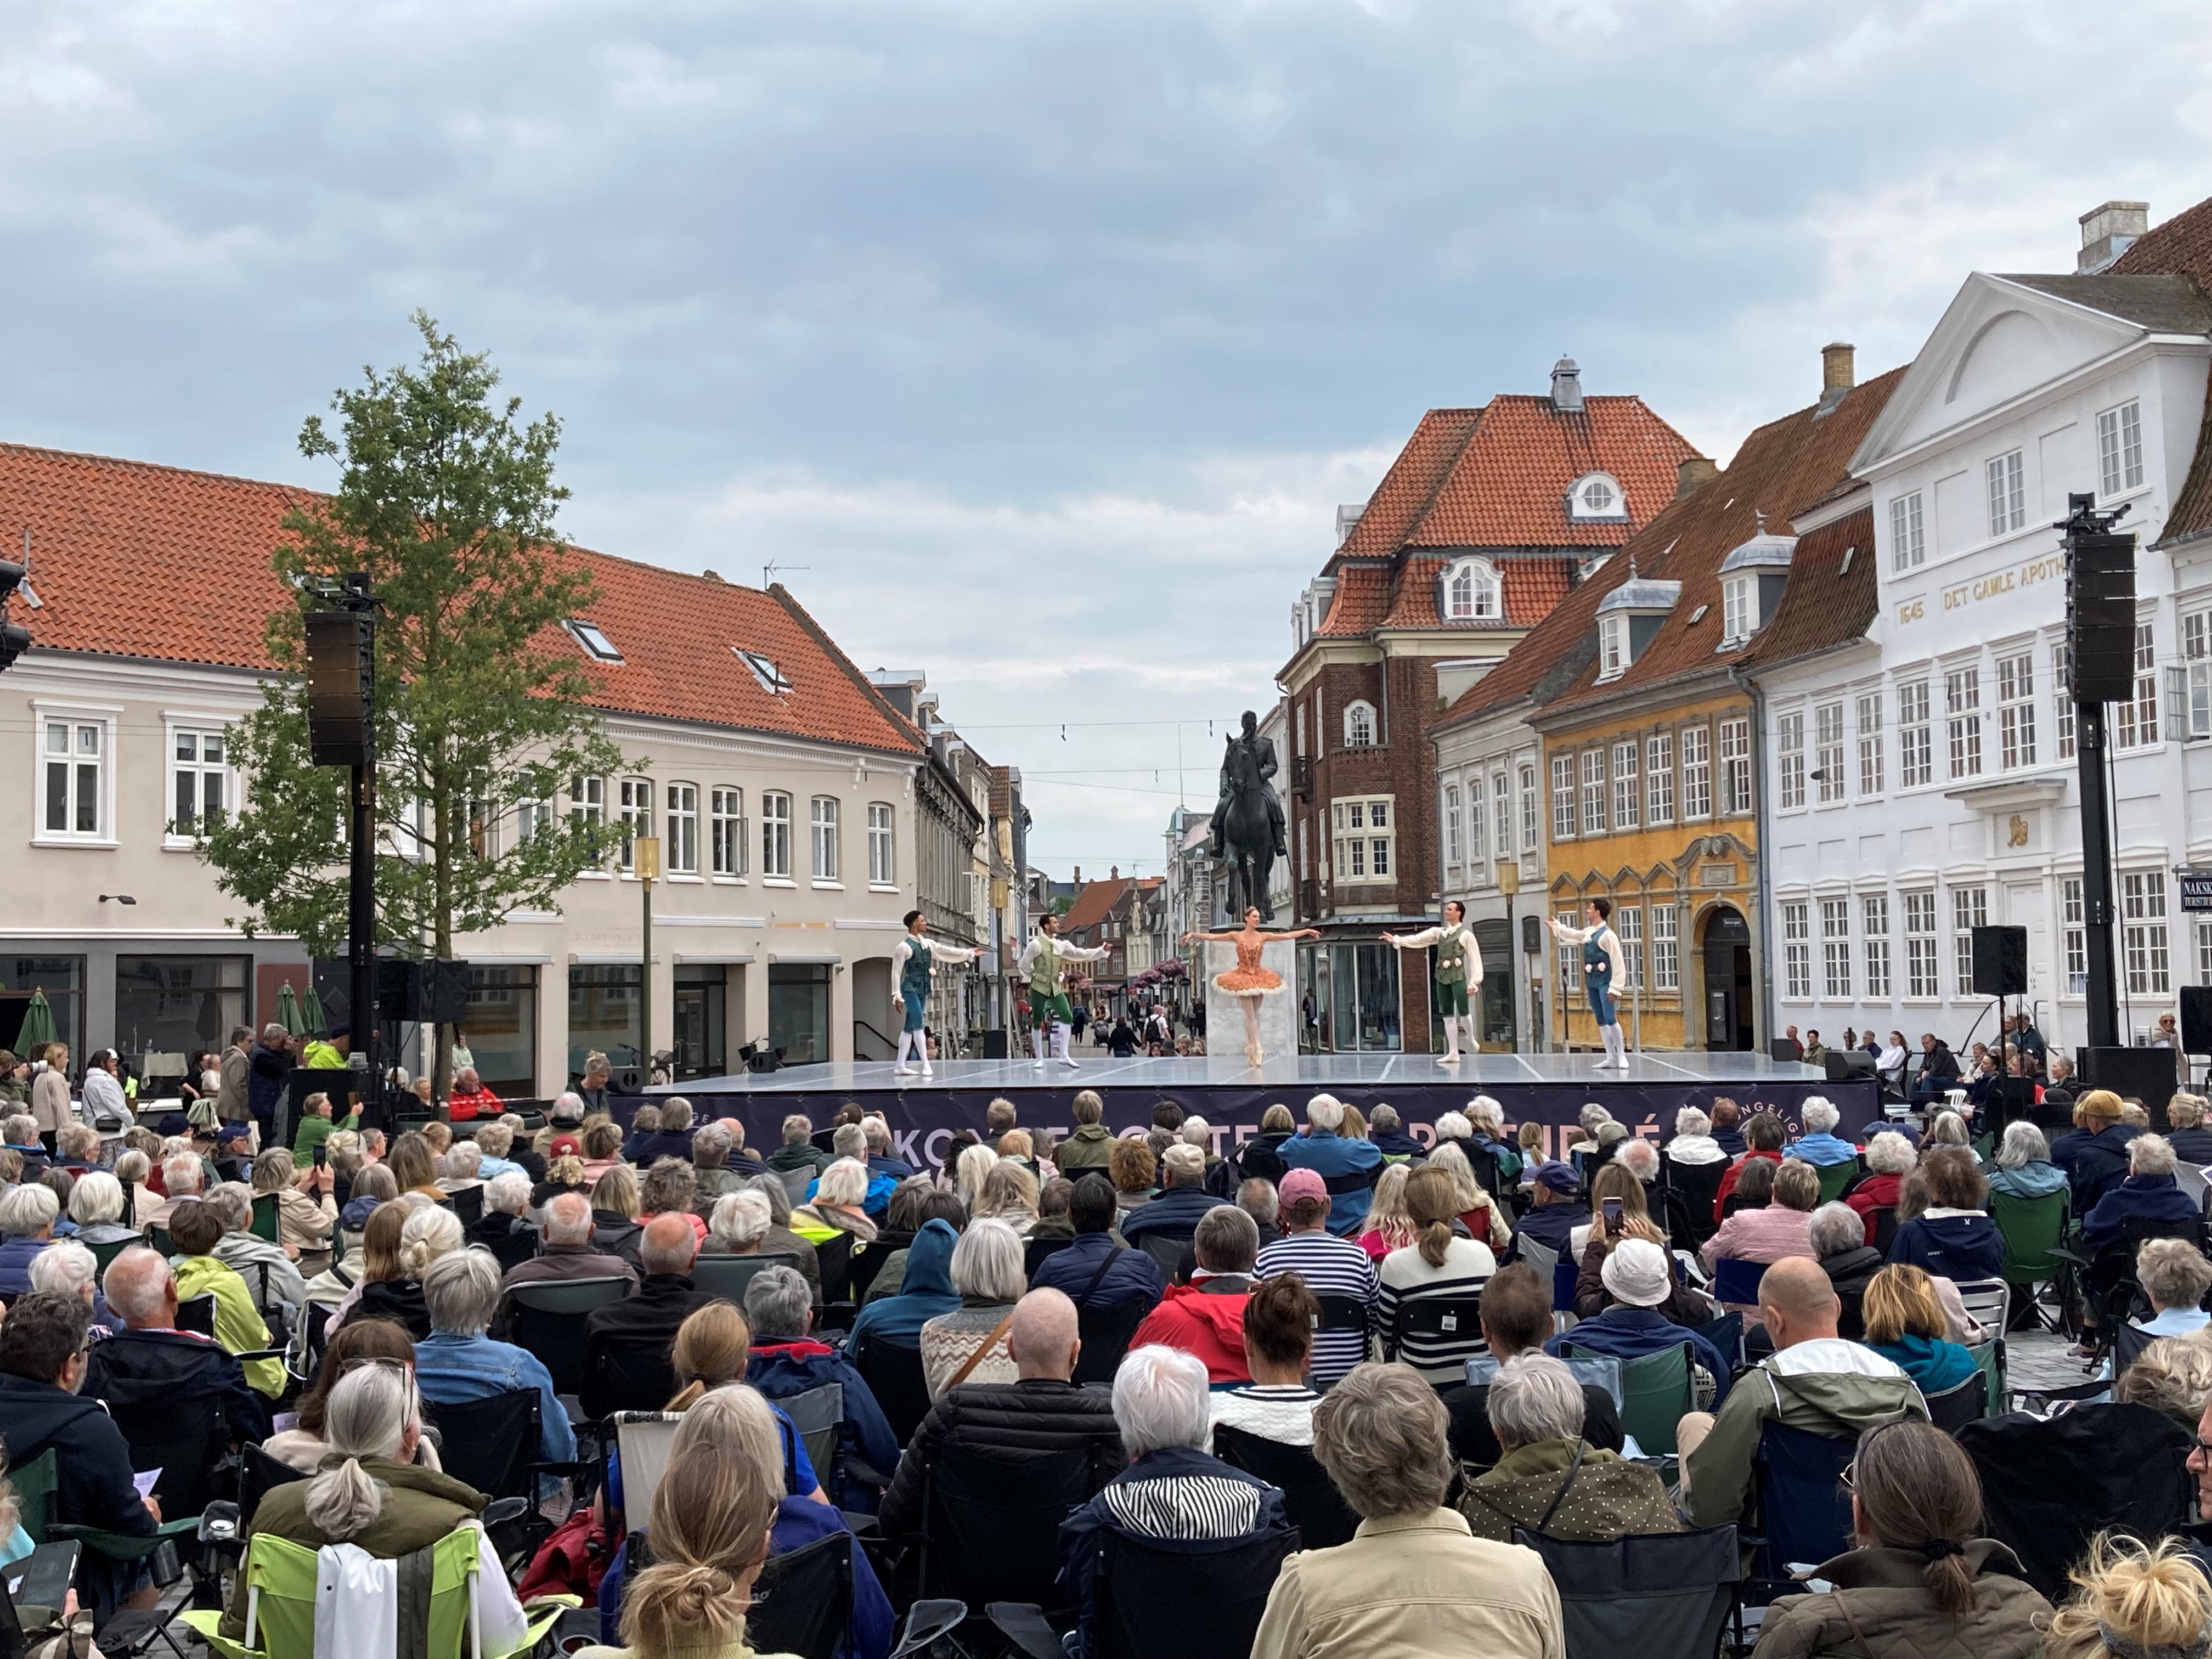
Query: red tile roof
(1825,604)
(1410,484)
(1094,903)
(135,560)
(1363,596)
(2182,246)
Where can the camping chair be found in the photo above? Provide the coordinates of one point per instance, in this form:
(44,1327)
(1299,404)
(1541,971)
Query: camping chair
(512,1247)
(1034,1250)
(1538,1257)
(1737,1282)
(280,1603)
(258,1474)
(196,1314)
(990,1530)
(492,1444)
(1835,1178)
(2049,1484)
(819,1414)
(1168,1250)
(894,1374)
(868,1260)
(1564,1275)
(547,1318)
(1805,1513)
(644,1440)
(264,1216)
(728,1275)
(796,1181)
(1699,1186)
(1339,1312)
(1725,1332)
(802,1601)
(1956,1407)
(2033,1228)
(1655,1392)
(1885,1226)
(1105,1330)
(1164,1600)
(468,1204)
(1663,1595)
(1311,1502)
(834,1258)
(2108,1279)
(104,1254)
(628,1374)
(1453,1322)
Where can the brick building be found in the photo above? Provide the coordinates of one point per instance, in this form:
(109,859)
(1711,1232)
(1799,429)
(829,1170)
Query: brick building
(1488,517)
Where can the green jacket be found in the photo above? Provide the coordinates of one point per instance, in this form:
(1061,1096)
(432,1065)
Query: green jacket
(1088,1148)
(321,1054)
(238,1322)
(1610,1497)
(1721,1474)
(1880,1608)
(799,1155)
(421,1506)
(314,1131)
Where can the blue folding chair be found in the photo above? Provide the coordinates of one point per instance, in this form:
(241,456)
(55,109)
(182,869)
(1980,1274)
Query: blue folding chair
(1737,1282)
(1804,1510)
(1564,1275)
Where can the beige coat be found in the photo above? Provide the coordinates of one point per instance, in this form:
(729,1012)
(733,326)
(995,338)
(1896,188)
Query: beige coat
(1413,1587)
(50,1102)
(1891,1616)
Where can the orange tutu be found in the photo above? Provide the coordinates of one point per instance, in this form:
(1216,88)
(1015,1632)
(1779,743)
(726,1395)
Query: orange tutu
(1248,982)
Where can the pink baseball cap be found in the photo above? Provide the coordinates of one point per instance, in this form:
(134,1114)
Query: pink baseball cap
(1301,1182)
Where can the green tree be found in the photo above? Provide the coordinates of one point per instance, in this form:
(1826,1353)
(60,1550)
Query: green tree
(446,499)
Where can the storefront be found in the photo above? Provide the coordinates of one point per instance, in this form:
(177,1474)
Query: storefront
(1348,993)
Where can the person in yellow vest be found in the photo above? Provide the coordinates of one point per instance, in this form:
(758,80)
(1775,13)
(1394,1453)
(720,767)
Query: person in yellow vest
(1459,974)
(1043,962)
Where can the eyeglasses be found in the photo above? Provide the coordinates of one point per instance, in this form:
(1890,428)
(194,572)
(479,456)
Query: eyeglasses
(1850,1477)
(2202,1447)
(366,1362)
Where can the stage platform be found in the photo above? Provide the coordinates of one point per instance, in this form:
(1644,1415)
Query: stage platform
(1549,1089)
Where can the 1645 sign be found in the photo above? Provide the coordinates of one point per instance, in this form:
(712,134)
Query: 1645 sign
(2196,889)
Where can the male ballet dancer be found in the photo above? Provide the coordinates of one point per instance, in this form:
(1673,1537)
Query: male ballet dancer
(1602,969)
(913,961)
(1044,960)
(1459,974)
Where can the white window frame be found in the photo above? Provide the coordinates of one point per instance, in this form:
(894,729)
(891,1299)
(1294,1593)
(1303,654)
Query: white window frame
(1735,766)
(2061,721)
(2074,932)
(633,808)
(823,853)
(2197,665)
(1666,947)
(1797,952)
(1739,609)
(680,852)
(1627,785)
(1365,831)
(1908,540)
(1696,773)
(1453,858)
(2144,945)
(1870,755)
(775,838)
(1471,592)
(2135,724)
(1962,716)
(1530,826)
(1789,760)
(1969,908)
(176,730)
(729,837)
(1478,829)
(1916,736)
(1501,813)
(1874,931)
(1581,508)
(1359,728)
(1611,648)
(1835,949)
(882,846)
(1922,981)
(2016,710)
(2006,475)
(1563,796)
(2119,449)
(1593,768)
(1628,922)
(1659,779)
(78,719)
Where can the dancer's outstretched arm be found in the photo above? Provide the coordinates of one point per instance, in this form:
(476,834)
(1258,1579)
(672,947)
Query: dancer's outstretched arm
(1284,939)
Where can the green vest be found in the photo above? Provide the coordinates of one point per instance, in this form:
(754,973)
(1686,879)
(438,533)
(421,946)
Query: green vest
(1045,971)
(1451,958)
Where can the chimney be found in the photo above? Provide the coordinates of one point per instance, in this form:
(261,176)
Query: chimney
(1838,366)
(1113,872)
(2106,232)
(1078,880)
(1567,386)
(1698,470)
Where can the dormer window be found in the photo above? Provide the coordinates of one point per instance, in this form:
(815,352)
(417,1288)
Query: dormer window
(588,635)
(773,679)
(1596,497)
(1611,646)
(1470,592)
(1753,577)
(1359,725)
(1739,609)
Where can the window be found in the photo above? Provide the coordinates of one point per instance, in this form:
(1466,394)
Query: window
(2135,724)
(503,1026)
(822,828)
(2007,494)
(1869,712)
(1471,593)
(1873,915)
(1737,605)
(2016,710)
(2119,449)
(1596,496)
(882,867)
(1797,953)
(729,832)
(76,774)
(1828,750)
(1593,792)
(1451,826)
(1659,780)
(1501,813)
(1962,705)
(2142,927)
(776,835)
(2063,721)
(1969,908)
(1790,759)
(1563,796)
(1363,835)
(2197,656)
(683,850)
(773,680)
(1916,755)
(1735,766)
(595,642)
(1611,646)
(1628,922)
(1359,726)
(1477,837)
(1920,979)
(1835,949)
(1697,772)
(532,817)
(1666,948)
(1908,547)
(1527,809)
(199,780)
(178,1004)
(2071,913)
(1627,795)
(636,812)
(1570,969)
(587,804)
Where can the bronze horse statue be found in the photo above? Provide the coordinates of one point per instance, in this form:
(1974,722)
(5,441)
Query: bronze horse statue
(1248,824)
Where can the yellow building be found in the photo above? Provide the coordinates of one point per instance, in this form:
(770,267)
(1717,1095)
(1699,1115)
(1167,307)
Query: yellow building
(1650,748)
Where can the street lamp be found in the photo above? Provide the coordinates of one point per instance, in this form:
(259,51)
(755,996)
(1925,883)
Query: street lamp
(1509,882)
(645,865)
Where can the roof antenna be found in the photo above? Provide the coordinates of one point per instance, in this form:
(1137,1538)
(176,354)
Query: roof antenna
(767,571)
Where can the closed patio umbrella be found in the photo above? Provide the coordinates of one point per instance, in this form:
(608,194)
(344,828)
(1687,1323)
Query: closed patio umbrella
(288,1010)
(38,1023)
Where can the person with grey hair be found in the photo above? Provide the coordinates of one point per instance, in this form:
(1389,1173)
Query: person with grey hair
(1820,1146)
(785,1362)
(1348,1167)
(567,1110)
(1693,1141)
(1388,1131)
(780,1240)
(149,1362)
(1890,1157)
(95,1205)
(712,1144)
(646,1323)
(1173,1489)
(2022,1167)
(970,1344)
(464,1163)
(2175,1276)
(2149,1193)
(839,1200)
(457,1362)
(1839,1239)
(1257,1197)
(183,1175)
(671,1140)
(1184,1200)
(739,1223)
(66,1267)
(1414,1580)
(27,1213)
(798,1150)
(373,1494)
(1205,1317)
(505,1227)
(277,1284)
(1550,1480)
(1640,1157)
(883,1157)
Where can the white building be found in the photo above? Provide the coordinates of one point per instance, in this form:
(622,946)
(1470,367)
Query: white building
(1921,776)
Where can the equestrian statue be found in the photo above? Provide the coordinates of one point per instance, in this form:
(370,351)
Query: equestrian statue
(1248,819)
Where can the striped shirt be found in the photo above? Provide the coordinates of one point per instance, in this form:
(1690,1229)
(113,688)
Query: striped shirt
(1189,1508)
(1330,1266)
(1407,1277)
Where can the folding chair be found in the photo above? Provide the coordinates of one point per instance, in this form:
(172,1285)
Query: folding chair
(894,1374)
(1034,1250)
(803,1601)
(1989,1302)
(1655,1391)
(2033,1228)
(264,1216)
(468,1204)
(1835,1178)
(1311,1502)
(1956,1407)
(1663,1595)
(1804,1511)
(1105,1331)
(645,1440)
(546,1316)
(819,1414)
(1448,1322)
(1737,1282)
(728,1275)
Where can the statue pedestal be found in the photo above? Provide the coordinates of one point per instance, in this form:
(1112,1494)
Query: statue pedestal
(1278,1012)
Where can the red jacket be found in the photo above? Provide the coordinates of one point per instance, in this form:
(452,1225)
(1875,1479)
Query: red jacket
(1728,1181)
(1210,1324)
(1876,1192)
(463,1107)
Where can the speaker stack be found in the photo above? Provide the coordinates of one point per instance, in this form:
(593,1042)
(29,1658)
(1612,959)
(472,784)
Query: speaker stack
(2101,617)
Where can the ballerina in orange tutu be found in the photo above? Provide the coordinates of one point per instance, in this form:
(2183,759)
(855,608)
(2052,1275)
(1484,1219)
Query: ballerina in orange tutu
(1248,981)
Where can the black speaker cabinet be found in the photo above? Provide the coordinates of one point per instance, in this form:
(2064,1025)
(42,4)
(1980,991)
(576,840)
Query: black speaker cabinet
(2000,961)
(1532,936)
(1848,1066)
(2144,1074)
(2197,1019)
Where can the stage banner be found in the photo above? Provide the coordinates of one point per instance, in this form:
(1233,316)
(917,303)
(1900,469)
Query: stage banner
(924,1121)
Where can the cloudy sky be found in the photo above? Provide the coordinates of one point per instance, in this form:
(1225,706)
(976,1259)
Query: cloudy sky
(1044,334)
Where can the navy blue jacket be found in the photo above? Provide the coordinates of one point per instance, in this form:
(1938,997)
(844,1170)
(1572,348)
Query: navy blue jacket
(1951,1246)
(2095,1164)
(1176,1211)
(1134,1276)
(2191,1146)
(645,1151)
(1624,1333)
(2148,1198)
(92,1460)
(780,1370)
(1396,1144)
(896,1167)
(1553,1225)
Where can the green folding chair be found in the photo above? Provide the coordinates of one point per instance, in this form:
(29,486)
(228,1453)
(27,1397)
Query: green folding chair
(2033,1228)
(264,1216)
(280,1604)
(1835,1178)
(34,1484)
(1655,1391)
(104,1254)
